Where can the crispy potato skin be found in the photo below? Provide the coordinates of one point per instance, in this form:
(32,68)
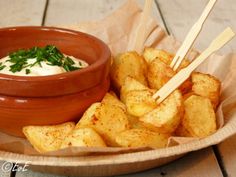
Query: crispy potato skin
(142,138)
(186,87)
(88,116)
(48,138)
(136,120)
(199,119)
(137,97)
(106,119)
(159,71)
(128,64)
(130,84)
(135,123)
(85,137)
(158,74)
(167,116)
(182,131)
(111,99)
(150,54)
(207,86)
(139,102)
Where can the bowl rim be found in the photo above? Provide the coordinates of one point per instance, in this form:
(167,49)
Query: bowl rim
(102,59)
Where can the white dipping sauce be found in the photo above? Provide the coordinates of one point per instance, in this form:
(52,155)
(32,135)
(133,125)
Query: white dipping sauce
(37,70)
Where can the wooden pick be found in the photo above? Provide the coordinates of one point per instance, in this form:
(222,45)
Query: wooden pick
(191,36)
(184,74)
(140,37)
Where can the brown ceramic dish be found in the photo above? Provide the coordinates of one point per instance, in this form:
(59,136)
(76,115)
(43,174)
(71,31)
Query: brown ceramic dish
(57,98)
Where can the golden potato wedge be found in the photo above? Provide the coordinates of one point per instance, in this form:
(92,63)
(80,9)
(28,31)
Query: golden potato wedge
(113,100)
(130,84)
(199,118)
(167,116)
(150,54)
(139,102)
(88,115)
(128,64)
(137,97)
(48,138)
(187,95)
(136,123)
(158,73)
(141,138)
(86,137)
(207,86)
(186,87)
(182,131)
(113,93)
(107,120)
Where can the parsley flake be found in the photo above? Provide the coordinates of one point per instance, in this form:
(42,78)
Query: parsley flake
(50,54)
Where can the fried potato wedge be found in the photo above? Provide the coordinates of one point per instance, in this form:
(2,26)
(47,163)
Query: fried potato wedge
(48,138)
(167,116)
(207,86)
(135,123)
(150,54)
(199,118)
(158,73)
(106,119)
(89,116)
(128,64)
(141,138)
(139,102)
(111,99)
(137,97)
(182,131)
(130,84)
(85,137)
(186,87)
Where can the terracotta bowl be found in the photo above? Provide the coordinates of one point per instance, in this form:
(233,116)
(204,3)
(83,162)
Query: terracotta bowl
(47,100)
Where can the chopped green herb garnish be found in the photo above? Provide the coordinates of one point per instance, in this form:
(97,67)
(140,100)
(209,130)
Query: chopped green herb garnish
(2,66)
(68,64)
(49,54)
(27,71)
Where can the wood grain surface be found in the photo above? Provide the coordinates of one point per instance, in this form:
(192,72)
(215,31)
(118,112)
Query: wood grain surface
(21,12)
(4,169)
(60,12)
(227,152)
(180,15)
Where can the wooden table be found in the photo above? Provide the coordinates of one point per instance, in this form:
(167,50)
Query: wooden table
(176,17)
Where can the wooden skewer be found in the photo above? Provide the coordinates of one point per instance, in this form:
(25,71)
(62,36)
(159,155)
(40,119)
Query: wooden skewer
(191,37)
(140,39)
(184,74)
